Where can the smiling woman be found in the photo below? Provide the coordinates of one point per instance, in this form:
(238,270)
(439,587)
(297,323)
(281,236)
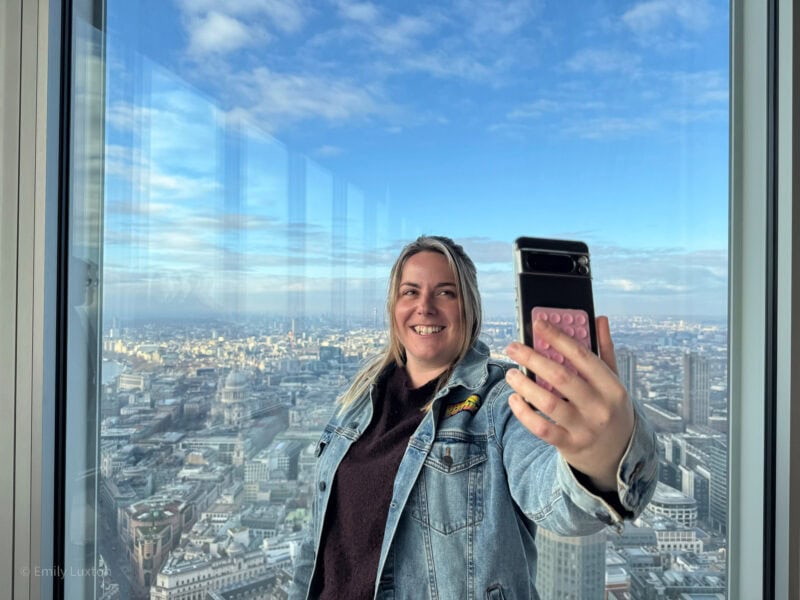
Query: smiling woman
(425,467)
(245,175)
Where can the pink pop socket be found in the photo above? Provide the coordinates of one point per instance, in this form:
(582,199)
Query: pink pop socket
(573,322)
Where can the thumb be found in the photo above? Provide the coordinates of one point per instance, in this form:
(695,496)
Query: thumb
(605,346)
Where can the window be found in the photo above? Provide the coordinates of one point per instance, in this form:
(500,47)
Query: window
(338,199)
(260,170)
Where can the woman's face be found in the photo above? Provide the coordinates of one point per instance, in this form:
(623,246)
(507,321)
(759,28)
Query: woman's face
(427,315)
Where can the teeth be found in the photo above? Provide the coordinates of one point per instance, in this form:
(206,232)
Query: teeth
(427,330)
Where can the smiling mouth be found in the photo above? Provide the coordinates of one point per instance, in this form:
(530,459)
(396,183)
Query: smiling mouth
(427,329)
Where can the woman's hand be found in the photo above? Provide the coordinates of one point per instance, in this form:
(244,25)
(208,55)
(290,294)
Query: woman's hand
(591,429)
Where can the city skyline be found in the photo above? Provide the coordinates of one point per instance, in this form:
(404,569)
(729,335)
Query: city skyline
(208,433)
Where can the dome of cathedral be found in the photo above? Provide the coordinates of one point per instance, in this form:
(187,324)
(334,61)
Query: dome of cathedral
(236,380)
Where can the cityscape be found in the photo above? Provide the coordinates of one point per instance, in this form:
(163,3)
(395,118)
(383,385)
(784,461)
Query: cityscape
(208,432)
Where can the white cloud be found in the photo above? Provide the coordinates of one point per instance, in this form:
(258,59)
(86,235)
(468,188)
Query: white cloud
(623,285)
(446,65)
(396,35)
(651,15)
(126,117)
(404,33)
(702,87)
(535,109)
(362,12)
(285,15)
(498,17)
(604,61)
(217,33)
(271,98)
(328,151)
(609,127)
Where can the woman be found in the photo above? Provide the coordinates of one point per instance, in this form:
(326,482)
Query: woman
(436,470)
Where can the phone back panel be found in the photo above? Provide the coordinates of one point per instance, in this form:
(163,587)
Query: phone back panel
(552,274)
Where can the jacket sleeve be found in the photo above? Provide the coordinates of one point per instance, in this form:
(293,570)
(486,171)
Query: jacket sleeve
(552,494)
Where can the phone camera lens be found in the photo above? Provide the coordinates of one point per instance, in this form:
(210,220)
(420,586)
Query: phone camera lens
(583,269)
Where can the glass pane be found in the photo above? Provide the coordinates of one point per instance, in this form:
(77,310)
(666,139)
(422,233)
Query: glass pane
(244,175)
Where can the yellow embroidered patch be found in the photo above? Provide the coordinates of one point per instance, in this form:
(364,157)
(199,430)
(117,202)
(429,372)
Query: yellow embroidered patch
(471,404)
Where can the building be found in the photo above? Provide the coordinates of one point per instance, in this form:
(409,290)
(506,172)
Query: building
(571,568)
(662,419)
(679,585)
(231,447)
(129,382)
(150,530)
(673,504)
(697,484)
(233,559)
(256,472)
(233,399)
(626,369)
(718,485)
(672,536)
(696,391)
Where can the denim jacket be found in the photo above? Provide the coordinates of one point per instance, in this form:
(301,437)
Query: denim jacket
(472,488)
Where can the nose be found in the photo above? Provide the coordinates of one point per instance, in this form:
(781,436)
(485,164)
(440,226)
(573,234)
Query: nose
(425,304)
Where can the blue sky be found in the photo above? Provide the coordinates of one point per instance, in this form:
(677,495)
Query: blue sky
(258,148)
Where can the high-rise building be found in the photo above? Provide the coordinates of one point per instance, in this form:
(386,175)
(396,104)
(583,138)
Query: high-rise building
(694,409)
(718,487)
(571,568)
(626,367)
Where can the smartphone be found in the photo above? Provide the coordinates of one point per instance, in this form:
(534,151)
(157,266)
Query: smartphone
(554,282)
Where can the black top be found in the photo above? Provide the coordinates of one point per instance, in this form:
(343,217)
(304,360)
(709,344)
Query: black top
(358,507)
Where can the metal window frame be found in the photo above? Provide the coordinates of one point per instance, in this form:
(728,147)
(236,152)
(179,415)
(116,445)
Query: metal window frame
(764,306)
(786,121)
(29,129)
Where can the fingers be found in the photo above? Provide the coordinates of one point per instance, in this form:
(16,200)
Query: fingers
(565,380)
(591,369)
(541,427)
(592,426)
(555,407)
(605,345)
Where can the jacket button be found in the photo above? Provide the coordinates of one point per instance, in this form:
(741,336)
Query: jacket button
(322,486)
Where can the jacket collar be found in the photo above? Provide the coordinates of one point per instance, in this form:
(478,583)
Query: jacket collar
(471,371)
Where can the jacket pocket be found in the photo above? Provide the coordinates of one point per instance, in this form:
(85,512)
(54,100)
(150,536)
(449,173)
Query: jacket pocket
(449,493)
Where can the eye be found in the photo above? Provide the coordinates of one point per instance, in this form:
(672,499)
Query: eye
(449,293)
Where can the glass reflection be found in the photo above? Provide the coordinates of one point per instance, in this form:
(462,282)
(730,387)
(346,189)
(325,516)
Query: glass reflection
(240,196)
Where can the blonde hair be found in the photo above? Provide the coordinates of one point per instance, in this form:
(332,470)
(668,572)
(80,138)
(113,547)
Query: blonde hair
(471,313)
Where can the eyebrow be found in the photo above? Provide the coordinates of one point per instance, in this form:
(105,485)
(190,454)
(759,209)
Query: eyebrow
(437,286)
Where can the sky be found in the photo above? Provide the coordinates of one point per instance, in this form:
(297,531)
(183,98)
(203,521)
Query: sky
(267,154)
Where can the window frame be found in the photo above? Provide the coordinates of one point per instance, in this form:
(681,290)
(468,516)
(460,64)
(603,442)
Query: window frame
(30,128)
(765,174)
